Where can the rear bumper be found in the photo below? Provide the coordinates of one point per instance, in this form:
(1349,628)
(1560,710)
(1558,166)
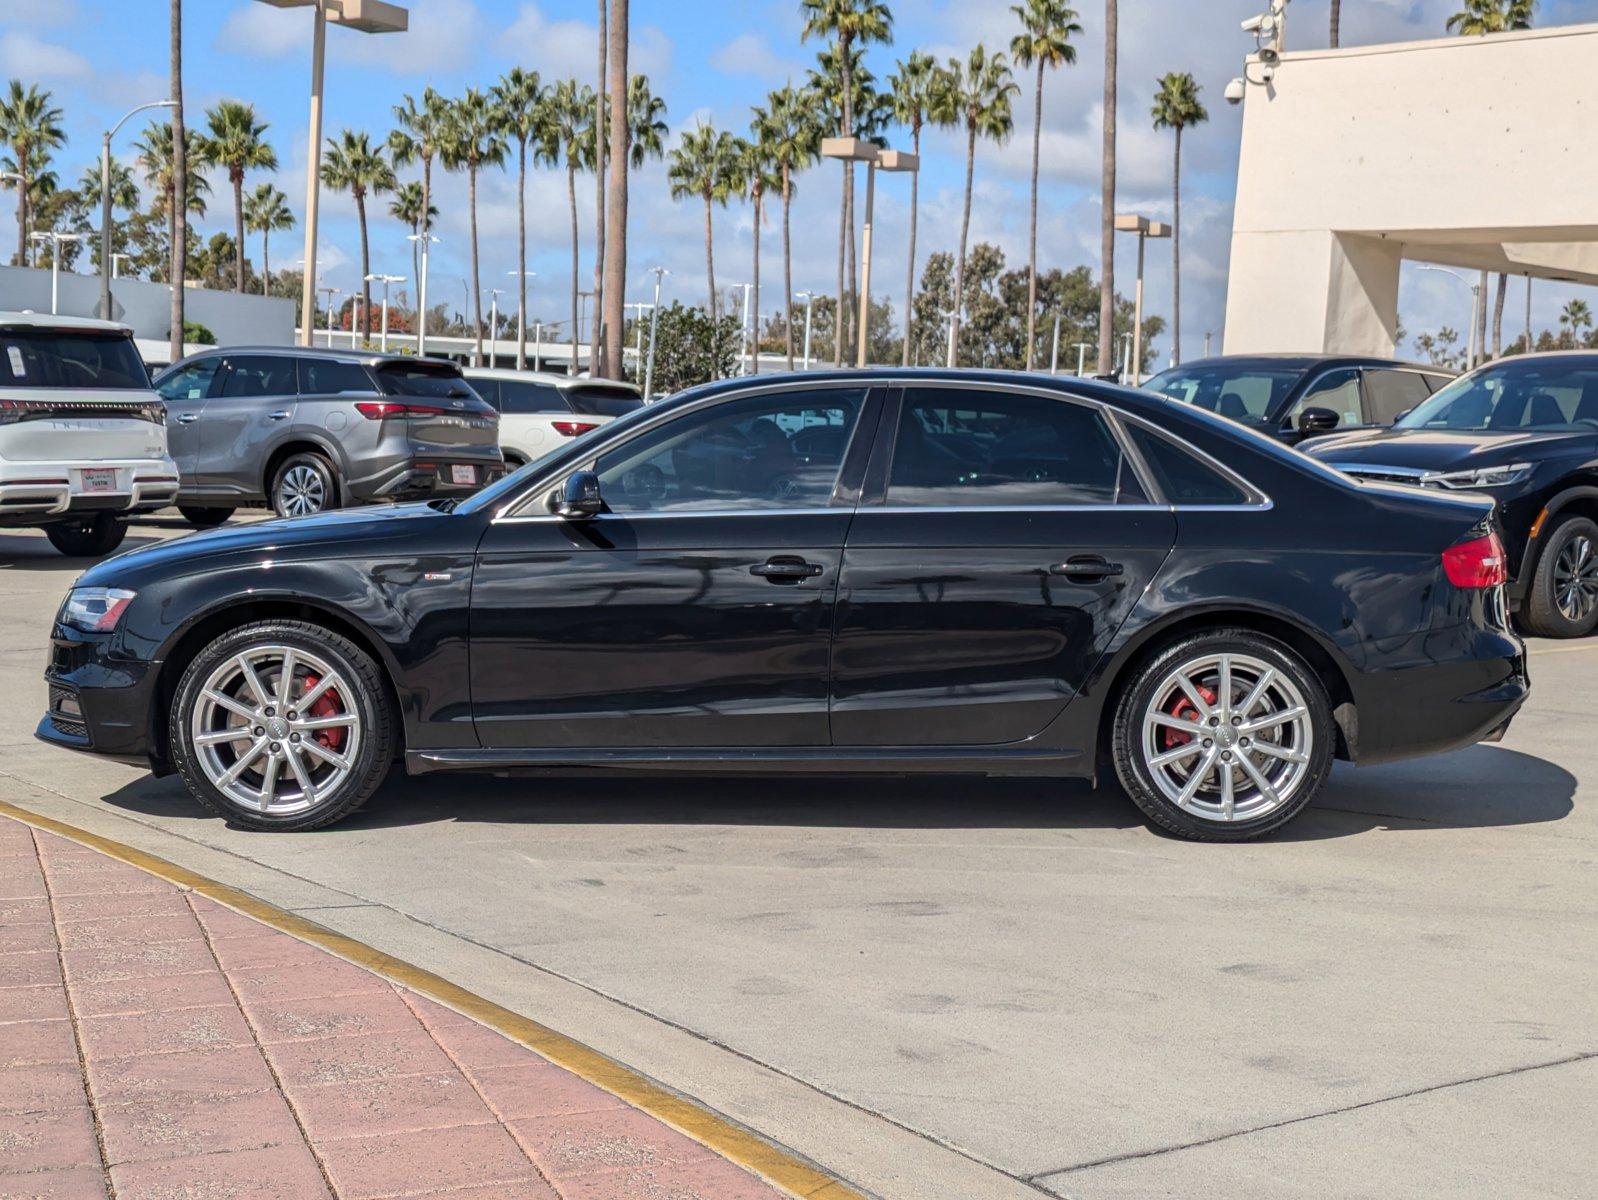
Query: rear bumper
(37,493)
(430,475)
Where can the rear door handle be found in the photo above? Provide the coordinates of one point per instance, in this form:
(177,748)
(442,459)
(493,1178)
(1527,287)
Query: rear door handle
(786,570)
(188,418)
(1084,568)
(279,415)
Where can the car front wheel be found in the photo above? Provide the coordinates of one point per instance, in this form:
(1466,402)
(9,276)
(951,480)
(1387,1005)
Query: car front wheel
(282,725)
(1563,602)
(1223,736)
(88,537)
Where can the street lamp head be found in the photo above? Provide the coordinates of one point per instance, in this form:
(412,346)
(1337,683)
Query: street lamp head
(1159,229)
(898,160)
(849,149)
(1131,223)
(368,16)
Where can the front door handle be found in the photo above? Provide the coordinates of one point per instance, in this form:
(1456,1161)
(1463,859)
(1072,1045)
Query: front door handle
(1086,568)
(786,570)
(279,415)
(188,418)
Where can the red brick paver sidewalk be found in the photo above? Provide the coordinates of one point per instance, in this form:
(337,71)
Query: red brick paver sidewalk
(155,1045)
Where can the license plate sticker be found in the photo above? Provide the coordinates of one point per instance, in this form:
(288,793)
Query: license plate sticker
(463,474)
(98,479)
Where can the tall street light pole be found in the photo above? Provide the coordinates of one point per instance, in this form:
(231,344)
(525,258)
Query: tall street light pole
(367,16)
(493,325)
(105,202)
(385,280)
(1145,229)
(425,239)
(851,149)
(521,317)
(1054,352)
(810,300)
(1471,348)
(659,273)
(55,239)
(329,292)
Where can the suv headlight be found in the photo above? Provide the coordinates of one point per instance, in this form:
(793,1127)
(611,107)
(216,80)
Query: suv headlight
(95,609)
(1485,477)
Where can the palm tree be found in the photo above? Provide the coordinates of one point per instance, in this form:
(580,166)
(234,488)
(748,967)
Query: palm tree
(706,164)
(124,191)
(646,117)
(1337,21)
(266,210)
(1481,17)
(417,140)
(759,174)
(352,164)
(407,207)
(792,131)
(618,86)
(1107,193)
(975,94)
(472,141)
(180,176)
(1575,317)
(521,109)
(1047,27)
(31,126)
(602,92)
(1176,106)
(847,23)
(235,141)
(159,163)
(911,88)
(566,136)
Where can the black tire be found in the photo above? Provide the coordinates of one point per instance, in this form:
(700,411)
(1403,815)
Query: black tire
(1542,613)
(1143,690)
(204,518)
(306,477)
(368,700)
(87,537)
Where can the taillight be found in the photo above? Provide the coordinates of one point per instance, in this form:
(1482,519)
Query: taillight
(574,428)
(377,410)
(1478,563)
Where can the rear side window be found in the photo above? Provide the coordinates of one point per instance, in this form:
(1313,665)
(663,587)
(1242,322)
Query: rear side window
(65,358)
(259,375)
(1393,393)
(423,379)
(598,401)
(1183,478)
(191,382)
(520,398)
(326,376)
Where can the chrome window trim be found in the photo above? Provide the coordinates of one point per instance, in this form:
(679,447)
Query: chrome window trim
(1260,502)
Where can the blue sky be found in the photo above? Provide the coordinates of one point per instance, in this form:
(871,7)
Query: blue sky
(710,60)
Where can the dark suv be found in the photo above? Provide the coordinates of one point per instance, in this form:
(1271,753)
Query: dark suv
(1523,431)
(1298,396)
(311,429)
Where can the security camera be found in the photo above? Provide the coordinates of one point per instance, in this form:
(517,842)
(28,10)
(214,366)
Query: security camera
(1254,24)
(1235,91)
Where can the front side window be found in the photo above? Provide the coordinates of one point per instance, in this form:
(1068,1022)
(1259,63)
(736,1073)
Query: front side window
(966,448)
(328,377)
(1337,391)
(259,375)
(68,358)
(1392,393)
(780,450)
(1550,395)
(191,382)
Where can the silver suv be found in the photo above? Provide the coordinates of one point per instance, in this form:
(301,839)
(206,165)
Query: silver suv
(307,430)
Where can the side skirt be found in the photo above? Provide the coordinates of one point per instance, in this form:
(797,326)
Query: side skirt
(818,760)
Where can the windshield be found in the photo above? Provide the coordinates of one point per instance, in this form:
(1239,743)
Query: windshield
(70,358)
(423,379)
(1558,395)
(1236,390)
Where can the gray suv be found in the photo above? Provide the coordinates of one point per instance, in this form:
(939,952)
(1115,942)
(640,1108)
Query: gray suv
(312,429)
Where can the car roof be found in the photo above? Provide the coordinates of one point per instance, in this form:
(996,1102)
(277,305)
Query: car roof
(551,378)
(370,358)
(1305,361)
(25,319)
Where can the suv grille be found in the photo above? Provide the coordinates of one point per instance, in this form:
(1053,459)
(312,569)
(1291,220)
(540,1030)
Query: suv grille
(1413,476)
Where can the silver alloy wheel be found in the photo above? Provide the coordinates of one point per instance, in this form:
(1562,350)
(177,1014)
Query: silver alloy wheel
(1227,737)
(275,729)
(301,492)
(1576,579)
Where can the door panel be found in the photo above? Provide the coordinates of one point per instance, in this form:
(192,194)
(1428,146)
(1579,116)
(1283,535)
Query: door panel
(251,407)
(184,393)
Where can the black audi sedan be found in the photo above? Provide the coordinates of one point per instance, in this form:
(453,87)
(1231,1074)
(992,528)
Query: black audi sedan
(1523,431)
(826,573)
(1294,397)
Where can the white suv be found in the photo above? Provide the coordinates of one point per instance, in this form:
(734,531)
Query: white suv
(82,435)
(539,411)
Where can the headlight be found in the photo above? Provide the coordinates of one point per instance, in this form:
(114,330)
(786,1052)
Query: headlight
(1486,477)
(95,609)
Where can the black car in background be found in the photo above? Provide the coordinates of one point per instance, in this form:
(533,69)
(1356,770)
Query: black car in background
(897,572)
(1298,396)
(1524,431)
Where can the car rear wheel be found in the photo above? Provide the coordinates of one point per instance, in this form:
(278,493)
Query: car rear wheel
(1223,736)
(1563,602)
(204,518)
(303,486)
(87,537)
(282,725)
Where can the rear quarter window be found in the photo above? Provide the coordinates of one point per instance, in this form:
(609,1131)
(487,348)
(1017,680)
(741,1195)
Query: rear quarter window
(1183,478)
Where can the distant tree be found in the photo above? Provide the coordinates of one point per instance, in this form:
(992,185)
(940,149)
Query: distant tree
(353,164)
(30,127)
(473,139)
(1176,106)
(1337,23)
(265,212)
(521,108)
(569,138)
(692,348)
(912,88)
(707,164)
(235,140)
(1481,17)
(792,129)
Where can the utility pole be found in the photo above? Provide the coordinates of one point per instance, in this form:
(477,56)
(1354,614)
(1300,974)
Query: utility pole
(1082,349)
(521,318)
(493,326)
(310,318)
(105,203)
(421,293)
(55,239)
(385,280)
(1054,352)
(949,316)
(810,299)
(743,328)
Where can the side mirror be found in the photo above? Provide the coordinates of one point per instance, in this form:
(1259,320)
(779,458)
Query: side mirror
(579,498)
(1314,421)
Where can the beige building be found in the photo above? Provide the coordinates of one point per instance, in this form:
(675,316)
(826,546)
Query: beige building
(1471,152)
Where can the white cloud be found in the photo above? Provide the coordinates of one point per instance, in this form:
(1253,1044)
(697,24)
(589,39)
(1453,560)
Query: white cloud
(751,54)
(40,12)
(25,55)
(571,47)
(443,36)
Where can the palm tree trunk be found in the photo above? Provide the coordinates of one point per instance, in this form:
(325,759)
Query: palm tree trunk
(754,300)
(1176,253)
(1337,21)
(22,218)
(710,261)
(596,363)
(1032,234)
(180,190)
(1107,198)
(571,196)
(416,274)
(840,321)
(615,327)
(477,287)
(965,229)
(1498,315)
(238,231)
(366,265)
(787,263)
(266,269)
(910,266)
(521,255)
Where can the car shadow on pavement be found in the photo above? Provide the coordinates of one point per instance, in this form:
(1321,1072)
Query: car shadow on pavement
(1475,788)
(33,552)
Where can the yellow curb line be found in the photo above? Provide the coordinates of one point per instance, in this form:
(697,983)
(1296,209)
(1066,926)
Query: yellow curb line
(732,1142)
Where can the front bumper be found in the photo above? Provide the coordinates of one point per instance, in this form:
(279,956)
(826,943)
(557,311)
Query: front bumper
(98,702)
(37,493)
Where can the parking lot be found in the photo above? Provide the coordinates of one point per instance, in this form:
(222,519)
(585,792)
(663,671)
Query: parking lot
(965,987)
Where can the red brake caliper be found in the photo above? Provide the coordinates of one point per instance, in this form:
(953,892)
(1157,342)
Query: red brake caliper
(332,739)
(1183,710)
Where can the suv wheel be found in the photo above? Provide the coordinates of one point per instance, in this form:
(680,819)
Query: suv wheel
(87,537)
(1563,601)
(1223,737)
(282,725)
(204,518)
(303,486)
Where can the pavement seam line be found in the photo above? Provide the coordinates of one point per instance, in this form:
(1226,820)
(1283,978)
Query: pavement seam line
(72,1019)
(255,1040)
(781,1168)
(1133,1156)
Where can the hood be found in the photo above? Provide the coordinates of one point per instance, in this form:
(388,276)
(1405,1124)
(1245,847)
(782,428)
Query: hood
(352,530)
(1443,450)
